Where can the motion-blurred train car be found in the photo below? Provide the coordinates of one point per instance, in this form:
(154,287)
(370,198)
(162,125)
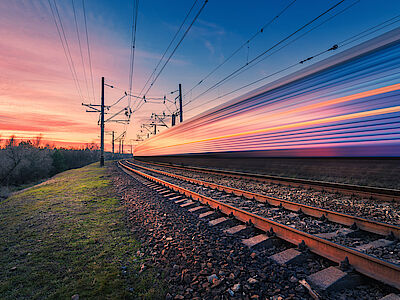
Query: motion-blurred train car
(347,105)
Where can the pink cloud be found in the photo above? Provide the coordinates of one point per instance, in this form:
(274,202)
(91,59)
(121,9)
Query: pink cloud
(37,93)
(36,85)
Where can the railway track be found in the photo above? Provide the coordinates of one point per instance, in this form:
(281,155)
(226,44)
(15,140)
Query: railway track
(347,189)
(379,228)
(337,237)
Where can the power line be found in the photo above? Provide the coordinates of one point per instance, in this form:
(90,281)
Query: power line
(265,77)
(284,46)
(80,47)
(176,47)
(364,34)
(133,42)
(266,51)
(241,46)
(133,46)
(334,47)
(88,49)
(166,50)
(141,103)
(116,102)
(65,46)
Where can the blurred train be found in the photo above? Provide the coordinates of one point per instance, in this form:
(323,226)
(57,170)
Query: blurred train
(347,105)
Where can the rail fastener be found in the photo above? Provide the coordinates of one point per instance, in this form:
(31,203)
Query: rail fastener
(365,264)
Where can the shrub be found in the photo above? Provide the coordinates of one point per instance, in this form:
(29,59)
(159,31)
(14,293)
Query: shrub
(25,162)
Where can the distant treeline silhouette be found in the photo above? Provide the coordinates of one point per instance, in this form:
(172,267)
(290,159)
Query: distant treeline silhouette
(24,162)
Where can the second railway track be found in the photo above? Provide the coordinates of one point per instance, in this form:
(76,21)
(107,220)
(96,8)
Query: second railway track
(332,235)
(348,189)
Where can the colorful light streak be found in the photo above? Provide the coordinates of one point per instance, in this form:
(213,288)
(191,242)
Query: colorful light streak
(347,105)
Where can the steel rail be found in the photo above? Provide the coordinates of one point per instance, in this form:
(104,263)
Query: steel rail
(336,217)
(365,264)
(347,189)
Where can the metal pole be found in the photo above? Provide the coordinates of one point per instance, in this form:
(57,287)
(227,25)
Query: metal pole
(122,146)
(180,103)
(173,119)
(155,129)
(102,125)
(113,143)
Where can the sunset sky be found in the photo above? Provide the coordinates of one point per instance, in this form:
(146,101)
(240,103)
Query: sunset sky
(37,92)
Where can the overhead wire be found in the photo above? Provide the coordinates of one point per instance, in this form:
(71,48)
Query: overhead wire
(246,43)
(68,49)
(334,47)
(116,102)
(295,39)
(88,49)
(64,43)
(277,50)
(371,29)
(169,46)
(133,42)
(176,47)
(266,51)
(128,110)
(141,103)
(80,48)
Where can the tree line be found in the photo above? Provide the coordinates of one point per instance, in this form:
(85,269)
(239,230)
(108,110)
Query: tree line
(24,162)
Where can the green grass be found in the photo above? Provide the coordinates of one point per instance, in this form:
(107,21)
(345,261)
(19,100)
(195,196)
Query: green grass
(68,236)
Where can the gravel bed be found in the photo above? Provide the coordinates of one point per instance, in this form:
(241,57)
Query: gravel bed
(198,261)
(379,172)
(363,207)
(390,253)
(301,222)
(187,251)
(353,241)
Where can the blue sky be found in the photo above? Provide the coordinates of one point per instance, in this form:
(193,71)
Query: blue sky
(223,26)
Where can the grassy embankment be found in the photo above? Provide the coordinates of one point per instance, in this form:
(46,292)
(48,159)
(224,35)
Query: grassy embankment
(68,236)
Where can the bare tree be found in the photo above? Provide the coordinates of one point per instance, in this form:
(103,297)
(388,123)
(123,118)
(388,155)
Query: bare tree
(14,155)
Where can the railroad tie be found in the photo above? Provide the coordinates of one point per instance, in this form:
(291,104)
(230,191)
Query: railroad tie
(235,229)
(169,195)
(196,208)
(374,244)
(217,221)
(333,278)
(180,201)
(391,296)
(331,235)
(164,191)
(261,240)
(206,214)
(289,256)
(188,203)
